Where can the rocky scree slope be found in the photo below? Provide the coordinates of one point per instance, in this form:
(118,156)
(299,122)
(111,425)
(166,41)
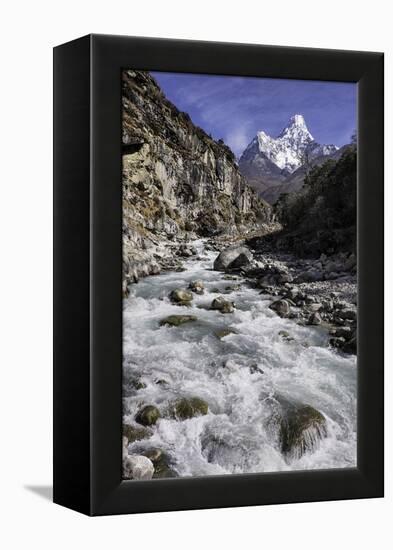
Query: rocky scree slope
(178,183)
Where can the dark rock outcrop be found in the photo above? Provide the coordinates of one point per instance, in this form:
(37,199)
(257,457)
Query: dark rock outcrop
(148,415)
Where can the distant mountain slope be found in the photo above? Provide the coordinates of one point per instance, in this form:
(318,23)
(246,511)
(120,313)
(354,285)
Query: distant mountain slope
(269,163)
(321,217)
(294,182)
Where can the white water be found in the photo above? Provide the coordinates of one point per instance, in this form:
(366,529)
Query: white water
(191,359)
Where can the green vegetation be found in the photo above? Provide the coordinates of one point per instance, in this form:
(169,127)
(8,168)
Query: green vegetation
(323,214)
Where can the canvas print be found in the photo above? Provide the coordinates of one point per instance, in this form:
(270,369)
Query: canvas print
(239,275)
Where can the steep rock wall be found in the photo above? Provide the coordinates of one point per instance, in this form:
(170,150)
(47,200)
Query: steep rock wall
(178,182)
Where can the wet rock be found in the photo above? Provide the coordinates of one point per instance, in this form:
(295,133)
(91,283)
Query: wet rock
(254,369)
(224,332)
(222,305)
(273,275)
(161,382)
(197,287)
(342,332)
(281,307)
(350,346)
(286,336)
(137,383)
(337,342)
(137,467)
(181,296)
(188,407)
(177,320)
(314,319)
(232,288)
(233,257)
(301,428)
(148,415)
(133,433)
(187,250)
(162,464)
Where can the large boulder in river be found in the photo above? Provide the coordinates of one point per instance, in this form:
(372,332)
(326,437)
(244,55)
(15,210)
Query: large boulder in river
(233,257)
(181,296)
(197,287)
(137,467)
(281,307)
(188,407)
(161,462)
(148,415)
(301,429)
(133,433)
(222,305)
(177,320)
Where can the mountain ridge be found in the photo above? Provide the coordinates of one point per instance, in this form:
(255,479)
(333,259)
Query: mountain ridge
(268,162)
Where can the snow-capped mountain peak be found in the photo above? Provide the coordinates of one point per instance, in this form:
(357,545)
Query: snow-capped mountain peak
(297,129)
(288,150)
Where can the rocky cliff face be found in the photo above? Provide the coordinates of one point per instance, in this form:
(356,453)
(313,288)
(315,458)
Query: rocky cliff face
(178,183)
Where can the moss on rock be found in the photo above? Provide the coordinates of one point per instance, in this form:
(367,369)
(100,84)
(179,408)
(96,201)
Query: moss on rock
(300,428)
(133,433)
(188,408)
(148,415)
(177,320)
(161,462)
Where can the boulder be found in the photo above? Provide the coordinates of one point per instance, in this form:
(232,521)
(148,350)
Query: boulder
(161,462)
(181,296)
(188,407)
(177,320)
(350,346)
(337,342)
(350,263)
(133,433)
(286,336)
(224,332)
(254,369)
(281,307)
(272,275)
(148,415)
(137,467)
(348,314)
(314,319)
(222,305)
(197,287)
(301,428)
(233,257)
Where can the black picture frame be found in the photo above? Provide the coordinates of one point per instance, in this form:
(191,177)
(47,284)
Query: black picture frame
(87,275)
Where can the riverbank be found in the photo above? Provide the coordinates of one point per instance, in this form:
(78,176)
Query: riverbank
(254,388)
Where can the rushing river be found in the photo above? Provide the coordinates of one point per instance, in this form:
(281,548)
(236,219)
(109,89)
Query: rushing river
(194,362)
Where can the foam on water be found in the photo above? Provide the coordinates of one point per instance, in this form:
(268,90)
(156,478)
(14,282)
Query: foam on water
(234,436)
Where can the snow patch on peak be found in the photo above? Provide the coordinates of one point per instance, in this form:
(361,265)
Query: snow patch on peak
(288,150)
(298,120)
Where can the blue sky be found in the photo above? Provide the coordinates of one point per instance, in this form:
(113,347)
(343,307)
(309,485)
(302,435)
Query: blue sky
(235,108)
